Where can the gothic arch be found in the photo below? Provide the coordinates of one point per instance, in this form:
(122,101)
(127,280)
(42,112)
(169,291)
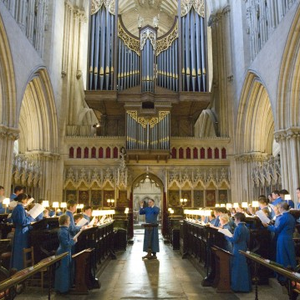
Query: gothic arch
(152,177)
(7,82)
(255,121)
(288,105)
(38,118)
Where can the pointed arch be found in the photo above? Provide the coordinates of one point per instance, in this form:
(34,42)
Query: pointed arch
(255,121)
(288,104)
(38,117)
(7,82)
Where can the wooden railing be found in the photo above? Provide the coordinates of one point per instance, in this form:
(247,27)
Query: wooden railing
(293,278)
(8,286)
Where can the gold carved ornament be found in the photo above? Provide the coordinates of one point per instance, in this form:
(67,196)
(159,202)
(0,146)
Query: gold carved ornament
(198,5)
(165,42)
(144,121)
(96,5)
(131,42)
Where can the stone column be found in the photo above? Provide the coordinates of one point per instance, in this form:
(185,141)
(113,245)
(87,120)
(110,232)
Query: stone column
(7,138)
(289,141)
(51,178)
(242,184)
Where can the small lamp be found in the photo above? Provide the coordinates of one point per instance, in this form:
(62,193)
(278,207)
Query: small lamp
(244,204)
(228,205)
(45,203)
(55,205)
(255,204)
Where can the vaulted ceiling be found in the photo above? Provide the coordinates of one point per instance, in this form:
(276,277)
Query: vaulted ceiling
(146,11)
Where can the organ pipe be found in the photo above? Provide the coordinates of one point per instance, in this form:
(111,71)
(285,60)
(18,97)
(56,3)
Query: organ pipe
(193,58)
(101,50)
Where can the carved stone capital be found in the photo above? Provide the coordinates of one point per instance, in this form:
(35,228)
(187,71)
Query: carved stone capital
(9,132)
(252,157)
(292,132)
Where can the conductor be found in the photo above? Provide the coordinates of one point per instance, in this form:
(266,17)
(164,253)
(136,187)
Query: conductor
(151,245)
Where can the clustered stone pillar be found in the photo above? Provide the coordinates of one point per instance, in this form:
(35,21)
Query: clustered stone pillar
(7,138)
(289,141)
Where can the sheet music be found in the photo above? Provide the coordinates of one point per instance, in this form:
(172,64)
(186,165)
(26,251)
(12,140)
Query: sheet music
(225,232)
(77,234)
(82,222)
(262,216)
(92,222)
(36,210)
(29,201)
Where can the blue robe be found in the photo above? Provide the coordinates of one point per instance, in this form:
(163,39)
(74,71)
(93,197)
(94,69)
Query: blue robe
(285,250)
(73,229)
(21,236)
(151,238)
(40,217)
(277,201)
(63,274)
(240,275)
(2,209)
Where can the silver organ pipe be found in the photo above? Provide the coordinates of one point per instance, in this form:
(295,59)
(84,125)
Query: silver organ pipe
(102,49)
(167,66)
(203,60)
(93,21)
(193,58)
(128,67)
(183,56)
(147,134)
(101,57)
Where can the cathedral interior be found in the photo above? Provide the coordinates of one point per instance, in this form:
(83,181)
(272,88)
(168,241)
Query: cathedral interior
(109,103)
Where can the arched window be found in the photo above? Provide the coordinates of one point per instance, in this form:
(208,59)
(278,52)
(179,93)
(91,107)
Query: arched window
(116,152)
(188,153)
(174,154)
(107,152)
(209,153)
(195,153)
(86,152)
(71,152)
(180,153)
(78,152)
(100,152)
(217,153)
(93,152)
(202,153)
(223,153)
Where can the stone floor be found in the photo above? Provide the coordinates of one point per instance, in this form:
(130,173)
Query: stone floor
(169,277)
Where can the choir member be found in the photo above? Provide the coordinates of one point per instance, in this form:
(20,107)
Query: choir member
(2,208)
(284,228)
(17,191)
(240,275)
(21,222)
(298,196)
(63,274)
(71,208)
(87,212)
(283,194)
(225,224)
